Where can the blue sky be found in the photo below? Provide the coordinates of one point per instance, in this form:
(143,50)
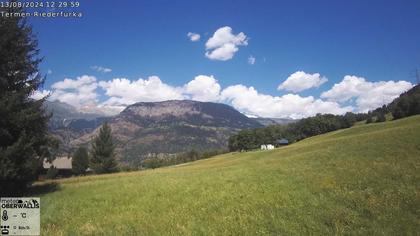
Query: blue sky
(374,41)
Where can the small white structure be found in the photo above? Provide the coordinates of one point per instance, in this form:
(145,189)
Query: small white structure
(267,147)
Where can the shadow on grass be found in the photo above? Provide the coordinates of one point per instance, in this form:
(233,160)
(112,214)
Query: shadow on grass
(41,189)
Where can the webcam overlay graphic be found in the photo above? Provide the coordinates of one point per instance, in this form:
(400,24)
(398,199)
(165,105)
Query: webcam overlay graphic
(20,216)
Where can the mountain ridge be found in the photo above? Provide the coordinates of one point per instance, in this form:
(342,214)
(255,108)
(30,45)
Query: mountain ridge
(169,127)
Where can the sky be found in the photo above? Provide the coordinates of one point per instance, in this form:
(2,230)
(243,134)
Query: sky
(286,59)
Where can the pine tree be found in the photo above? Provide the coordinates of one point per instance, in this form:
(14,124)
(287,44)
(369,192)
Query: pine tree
(102,158)
(80,161)
(24,141)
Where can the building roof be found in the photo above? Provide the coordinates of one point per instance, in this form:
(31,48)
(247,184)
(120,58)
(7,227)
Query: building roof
(283,141)
(59,163)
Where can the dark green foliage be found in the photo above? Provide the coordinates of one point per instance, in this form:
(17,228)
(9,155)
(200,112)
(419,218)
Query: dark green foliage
(102,158)
(24,141)
(407,104)
(80,161)
(319,124)
(369,120)
(52,172)
(380,117)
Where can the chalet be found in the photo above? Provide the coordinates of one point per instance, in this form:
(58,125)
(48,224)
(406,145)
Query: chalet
(62,164)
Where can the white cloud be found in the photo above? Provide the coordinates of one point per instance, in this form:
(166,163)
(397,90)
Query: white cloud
(249,101)
(251,60)
(203,88)
(367,95)
(123,92)
(223,44)
(300,81)
(40,94)
(101,69)
(79,92)
(49,71)
(194,37)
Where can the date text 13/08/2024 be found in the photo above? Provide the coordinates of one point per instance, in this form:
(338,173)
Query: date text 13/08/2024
(40,4)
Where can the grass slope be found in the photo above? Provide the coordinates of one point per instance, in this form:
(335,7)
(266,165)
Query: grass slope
(362,180)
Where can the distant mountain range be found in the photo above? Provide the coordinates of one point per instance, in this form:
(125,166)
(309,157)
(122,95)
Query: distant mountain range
(148,128)
(273,121)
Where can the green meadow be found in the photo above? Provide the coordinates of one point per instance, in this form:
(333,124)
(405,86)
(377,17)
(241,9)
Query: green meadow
(364,180)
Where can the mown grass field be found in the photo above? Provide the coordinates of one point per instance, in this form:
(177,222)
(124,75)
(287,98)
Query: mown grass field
(364,180)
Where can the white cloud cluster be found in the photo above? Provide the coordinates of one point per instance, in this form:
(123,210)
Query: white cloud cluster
(251,60)
(101,69)
(123,92)
(194,37)
(367,95)
(224,44)
(300,81)
(203,88)
(248,100)
(79,92)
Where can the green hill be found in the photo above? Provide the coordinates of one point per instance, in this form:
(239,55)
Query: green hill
(363,180)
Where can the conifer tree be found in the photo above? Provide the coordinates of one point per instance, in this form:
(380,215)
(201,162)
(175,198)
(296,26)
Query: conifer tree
(80,161)
(24,141)
(102,158)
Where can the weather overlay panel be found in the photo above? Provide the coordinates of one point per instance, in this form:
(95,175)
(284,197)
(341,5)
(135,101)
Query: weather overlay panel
(20,216)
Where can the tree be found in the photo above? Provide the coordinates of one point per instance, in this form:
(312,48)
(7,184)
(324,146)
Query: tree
(102,158)
(80,161)
(380,117)
(24,139)
(369,120)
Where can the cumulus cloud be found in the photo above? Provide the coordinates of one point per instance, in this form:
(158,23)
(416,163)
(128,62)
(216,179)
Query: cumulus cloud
(300,81)
(224,44)
(367,95)
(203,88)
(194,37)
(101,69)
(248,100)
(123,92)
(79,92)
(251,60)
(40,94)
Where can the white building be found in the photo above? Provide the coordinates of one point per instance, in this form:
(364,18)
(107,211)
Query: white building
(267,147)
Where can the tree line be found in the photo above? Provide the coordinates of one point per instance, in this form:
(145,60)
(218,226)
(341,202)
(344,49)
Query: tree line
(321,123)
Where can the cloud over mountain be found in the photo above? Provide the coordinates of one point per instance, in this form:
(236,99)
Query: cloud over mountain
(300,81)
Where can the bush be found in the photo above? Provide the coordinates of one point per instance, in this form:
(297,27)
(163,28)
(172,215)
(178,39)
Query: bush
(52,172)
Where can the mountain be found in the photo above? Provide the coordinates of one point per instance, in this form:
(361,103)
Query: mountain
(273,121)
(67,123)
(148,128)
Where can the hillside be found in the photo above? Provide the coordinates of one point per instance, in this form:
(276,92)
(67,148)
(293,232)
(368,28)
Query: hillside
(171,127)
(67,124)
(363,180)
(273,121)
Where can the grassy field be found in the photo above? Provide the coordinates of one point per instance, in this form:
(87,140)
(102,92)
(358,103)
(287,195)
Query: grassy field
(362,180)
